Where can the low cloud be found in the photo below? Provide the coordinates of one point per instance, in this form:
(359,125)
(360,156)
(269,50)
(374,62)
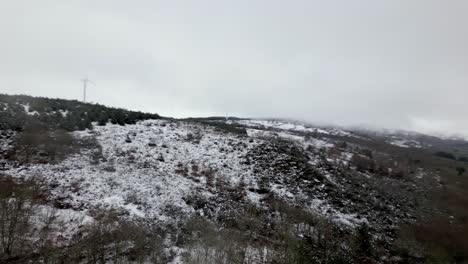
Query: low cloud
(392,64)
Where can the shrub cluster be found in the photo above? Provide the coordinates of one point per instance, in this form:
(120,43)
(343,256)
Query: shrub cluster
(19,112)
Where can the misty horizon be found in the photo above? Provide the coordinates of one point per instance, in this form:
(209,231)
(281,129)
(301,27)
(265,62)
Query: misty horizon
(392,65)
(357,127)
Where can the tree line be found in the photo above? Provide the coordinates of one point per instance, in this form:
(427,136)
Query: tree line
(19,112)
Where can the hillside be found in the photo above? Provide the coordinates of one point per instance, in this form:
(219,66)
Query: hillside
(99,184)
(19,112)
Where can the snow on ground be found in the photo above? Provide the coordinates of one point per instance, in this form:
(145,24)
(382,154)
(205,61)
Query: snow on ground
(65,224)
(319,143)
(275,124)
(63,113)
(404,143)
(4,106)
(26,107)
(258,133)
(313,142)
(288,126)
(148,169)
(6,140)
(400,143)
(28,111)
(282,191)
(420,173)
(323,208)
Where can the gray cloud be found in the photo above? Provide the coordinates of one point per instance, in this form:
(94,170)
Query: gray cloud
(395,64)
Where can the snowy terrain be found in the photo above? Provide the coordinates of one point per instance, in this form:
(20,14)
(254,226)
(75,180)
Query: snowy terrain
(246,177)
(292,126)
(158,171)
(151,167)
(140,172)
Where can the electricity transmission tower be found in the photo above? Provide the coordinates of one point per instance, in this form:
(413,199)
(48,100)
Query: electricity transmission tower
(85,85)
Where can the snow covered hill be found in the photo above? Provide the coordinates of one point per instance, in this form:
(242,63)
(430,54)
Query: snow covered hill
(251,176)
(157,170)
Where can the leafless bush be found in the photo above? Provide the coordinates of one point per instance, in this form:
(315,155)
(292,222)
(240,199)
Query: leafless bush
(37,146)
(363,163)
(208,172)
(182,169)
(109,167)
(195,169)
(111,240)
(206,244)
(195,137)
(17,203)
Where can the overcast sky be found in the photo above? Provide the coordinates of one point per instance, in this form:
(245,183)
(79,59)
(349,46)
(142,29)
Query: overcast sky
(383,63)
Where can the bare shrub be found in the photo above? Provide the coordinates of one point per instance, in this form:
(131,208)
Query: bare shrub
(195,169)
(363,163)
(42,146)
(17,203)
(436,241)
(195,137)
(207,244)
(112,240)
(182,169)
